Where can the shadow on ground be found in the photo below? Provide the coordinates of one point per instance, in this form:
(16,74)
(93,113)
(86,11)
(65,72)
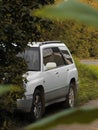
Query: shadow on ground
(21,119)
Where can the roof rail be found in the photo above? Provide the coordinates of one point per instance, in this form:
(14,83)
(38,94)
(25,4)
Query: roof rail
(49,42)
(52,42)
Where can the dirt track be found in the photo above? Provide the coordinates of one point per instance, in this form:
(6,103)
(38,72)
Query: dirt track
(51,110)
(92,126)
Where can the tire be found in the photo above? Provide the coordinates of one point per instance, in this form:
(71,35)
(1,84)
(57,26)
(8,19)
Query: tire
(71,96)
(37,109)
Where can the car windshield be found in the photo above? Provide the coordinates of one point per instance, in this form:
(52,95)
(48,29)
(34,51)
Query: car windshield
(31,56)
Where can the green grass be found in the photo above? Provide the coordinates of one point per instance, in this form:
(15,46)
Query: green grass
(88,82)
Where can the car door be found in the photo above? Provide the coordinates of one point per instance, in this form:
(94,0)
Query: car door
(51,78)
(67,68)
(54,78)
(62,70)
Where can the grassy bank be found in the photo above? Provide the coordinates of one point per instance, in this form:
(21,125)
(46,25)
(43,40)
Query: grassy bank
(88,82)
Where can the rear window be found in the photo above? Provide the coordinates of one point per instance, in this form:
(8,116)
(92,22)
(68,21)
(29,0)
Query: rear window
(32,58)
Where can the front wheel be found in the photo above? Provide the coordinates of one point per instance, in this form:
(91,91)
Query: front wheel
(37,106)
(71,96)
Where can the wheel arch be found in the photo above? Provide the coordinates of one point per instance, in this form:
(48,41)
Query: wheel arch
(40,88)
(74,84)
(73,81)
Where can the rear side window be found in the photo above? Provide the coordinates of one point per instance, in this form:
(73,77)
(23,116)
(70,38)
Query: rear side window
(66,55)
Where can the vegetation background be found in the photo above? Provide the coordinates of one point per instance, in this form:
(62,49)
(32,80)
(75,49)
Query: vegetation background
(18,26)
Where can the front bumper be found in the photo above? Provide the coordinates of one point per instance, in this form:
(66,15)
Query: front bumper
(24,104)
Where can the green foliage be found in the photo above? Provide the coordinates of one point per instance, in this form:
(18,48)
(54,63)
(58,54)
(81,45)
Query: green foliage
(20,25)
(4,89)
(66,117)
(80,39)
(6,101)
(71,9)
(9,95)
(17,28)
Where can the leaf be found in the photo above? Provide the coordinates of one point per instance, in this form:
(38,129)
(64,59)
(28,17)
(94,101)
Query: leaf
(70,9)
(5,88)
(66,117)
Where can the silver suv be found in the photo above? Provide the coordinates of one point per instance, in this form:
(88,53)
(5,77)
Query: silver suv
(52,77)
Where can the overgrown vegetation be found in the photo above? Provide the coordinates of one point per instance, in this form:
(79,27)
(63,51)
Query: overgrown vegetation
(80,39)
(88,82)
(18,27)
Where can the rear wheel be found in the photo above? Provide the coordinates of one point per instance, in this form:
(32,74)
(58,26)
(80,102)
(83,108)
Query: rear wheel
(71,96)
(37,109)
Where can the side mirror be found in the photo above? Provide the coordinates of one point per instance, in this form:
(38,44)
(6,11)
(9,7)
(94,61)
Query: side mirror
(50,65)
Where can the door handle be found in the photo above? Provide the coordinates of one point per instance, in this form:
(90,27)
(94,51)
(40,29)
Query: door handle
(57,73)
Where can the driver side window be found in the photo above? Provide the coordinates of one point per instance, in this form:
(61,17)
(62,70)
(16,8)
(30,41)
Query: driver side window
(53,55)
(47,56)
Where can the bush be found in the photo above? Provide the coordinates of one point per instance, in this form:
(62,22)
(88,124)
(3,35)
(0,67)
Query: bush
(11,72)
(80,39)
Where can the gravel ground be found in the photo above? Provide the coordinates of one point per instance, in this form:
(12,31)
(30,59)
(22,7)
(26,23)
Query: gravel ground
(89,62)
